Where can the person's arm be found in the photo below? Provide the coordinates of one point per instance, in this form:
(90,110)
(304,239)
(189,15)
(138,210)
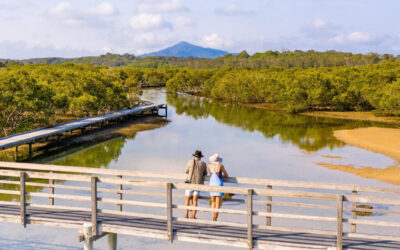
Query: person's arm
(188,166)
(224,173)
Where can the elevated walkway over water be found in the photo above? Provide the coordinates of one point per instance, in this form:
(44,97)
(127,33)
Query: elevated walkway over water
(33,136)
(150,204)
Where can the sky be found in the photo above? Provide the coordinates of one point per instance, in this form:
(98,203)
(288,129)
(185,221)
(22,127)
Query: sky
(72,28)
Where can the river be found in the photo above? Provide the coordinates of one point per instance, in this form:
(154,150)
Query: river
(253,143)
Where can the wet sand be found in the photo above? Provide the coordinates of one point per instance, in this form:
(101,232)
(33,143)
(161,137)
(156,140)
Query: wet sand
(379,140)
(390,174)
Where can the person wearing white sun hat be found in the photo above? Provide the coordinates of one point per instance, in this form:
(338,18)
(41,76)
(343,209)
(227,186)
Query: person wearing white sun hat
(217,172)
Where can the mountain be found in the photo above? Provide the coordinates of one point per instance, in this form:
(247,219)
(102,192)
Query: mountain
(185,49)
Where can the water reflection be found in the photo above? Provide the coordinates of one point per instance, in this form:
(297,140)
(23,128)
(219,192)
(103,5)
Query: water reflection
(308,133)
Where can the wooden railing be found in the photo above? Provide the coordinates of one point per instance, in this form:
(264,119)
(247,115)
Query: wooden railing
(122,190)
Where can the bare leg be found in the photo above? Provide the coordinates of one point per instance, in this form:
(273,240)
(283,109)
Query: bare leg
(218,200)
(195,199)
(187,203)
(213,206)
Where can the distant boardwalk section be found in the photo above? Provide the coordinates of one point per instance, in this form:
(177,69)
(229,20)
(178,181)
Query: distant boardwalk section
(257,213)
(35,135)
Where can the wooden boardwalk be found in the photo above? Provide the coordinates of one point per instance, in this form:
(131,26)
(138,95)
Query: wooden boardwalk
(108,202)
(30,137)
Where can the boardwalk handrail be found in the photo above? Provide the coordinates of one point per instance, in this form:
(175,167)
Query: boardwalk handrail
(181,177)
(101,182)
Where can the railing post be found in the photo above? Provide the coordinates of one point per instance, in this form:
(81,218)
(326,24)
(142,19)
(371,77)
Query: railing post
(119,194)
(23,198)
(94,206)
(169,212)
(339,239)
(30,151)
(16,153)
(250,218)
(354,213)
(269,206)
(51,190)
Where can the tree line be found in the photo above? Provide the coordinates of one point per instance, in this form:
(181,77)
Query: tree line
(373,87)
(287,59)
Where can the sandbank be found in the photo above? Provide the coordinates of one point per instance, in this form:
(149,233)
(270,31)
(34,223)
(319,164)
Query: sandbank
(379,140)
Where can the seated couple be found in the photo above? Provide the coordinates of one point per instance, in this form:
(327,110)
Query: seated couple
(197,170)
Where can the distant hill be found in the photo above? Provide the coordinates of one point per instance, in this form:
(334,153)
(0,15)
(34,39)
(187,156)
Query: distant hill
(185,49)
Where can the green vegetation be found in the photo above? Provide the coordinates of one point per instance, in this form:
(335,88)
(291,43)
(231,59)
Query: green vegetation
(371,87)
(287,59)
(34,95)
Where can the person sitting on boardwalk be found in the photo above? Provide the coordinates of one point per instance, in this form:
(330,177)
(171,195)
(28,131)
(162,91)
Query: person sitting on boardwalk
(217,172)
(196,170)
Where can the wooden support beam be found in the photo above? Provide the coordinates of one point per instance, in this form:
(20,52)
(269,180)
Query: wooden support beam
(119,194)
(339,239)
(112,241)
(354,213)
(87,234)
(30,151)
(51,190)
(169,213)
(250,219)
(269,207)
(23,198)
(16,153)
(94,205)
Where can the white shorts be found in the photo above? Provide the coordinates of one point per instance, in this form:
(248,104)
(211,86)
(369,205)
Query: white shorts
(189,193)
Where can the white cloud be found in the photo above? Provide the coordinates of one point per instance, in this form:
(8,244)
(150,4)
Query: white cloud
(319,23)
(164,6)
(215,41)
(103,9)
(232,10)
(354,37)
(149,22)
(359,37)
(62,9)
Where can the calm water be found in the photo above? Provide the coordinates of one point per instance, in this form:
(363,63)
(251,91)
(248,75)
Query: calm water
(253,143)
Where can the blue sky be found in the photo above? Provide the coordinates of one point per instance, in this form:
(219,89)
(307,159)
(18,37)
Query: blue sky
(70,28)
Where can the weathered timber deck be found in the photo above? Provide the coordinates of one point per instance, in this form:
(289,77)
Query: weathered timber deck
(133,203)
(150,227)
(34,135)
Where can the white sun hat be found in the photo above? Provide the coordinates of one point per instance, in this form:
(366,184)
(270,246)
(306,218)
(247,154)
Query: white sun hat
(215,158)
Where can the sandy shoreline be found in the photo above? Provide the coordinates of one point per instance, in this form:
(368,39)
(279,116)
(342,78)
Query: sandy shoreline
(379,140)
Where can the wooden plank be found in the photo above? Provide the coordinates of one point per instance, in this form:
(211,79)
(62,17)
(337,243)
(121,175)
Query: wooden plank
(297,217)
(119,194)
(94,206)
(132,203)
(134,214)
(22,198)
(169,213)
(51,191)
(353,227)
(61,196)
(296,230)
(253,181)
(296,204)
(269,208)
(213,223)
(59,207)
(374,223)
(339,239)
(207,209)
(250,219)
(372,236)
(10,192)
